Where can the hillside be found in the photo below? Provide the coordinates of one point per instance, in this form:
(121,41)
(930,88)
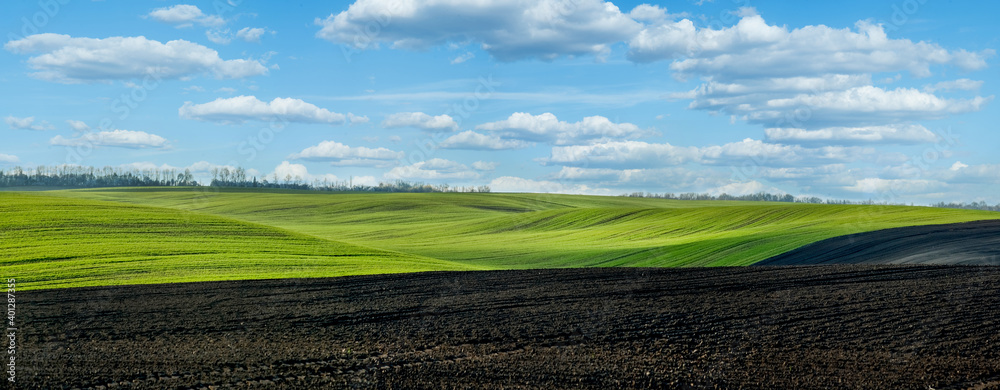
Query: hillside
(48,241)
(541,230)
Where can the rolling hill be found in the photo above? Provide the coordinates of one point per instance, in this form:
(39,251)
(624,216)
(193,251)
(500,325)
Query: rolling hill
(49,242)
(153,235)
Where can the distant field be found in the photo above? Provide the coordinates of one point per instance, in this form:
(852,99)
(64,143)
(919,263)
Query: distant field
(156,235)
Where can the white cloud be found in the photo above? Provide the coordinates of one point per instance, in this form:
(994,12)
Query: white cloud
(648,13)
(895,186)
(507,29)
(958,166)
(674,178)
(185,15)
(638,154)
(146,165)
(226,90)
(955,85)
(828,101)
(714,94)
(744,188)
(904,103)
(462,58)
(433,169)
(251,34)
(547,128)
(78,126)
(243,108)
(194,88)
(752,48)
(298,172)
(629,154)
(485,165)
(66,59)
(893,134)
(370,181)
(475,141)
(517,184)
(115,138)
(9,159)
(27,124)
(812,78)
(219,37)
(355,119)
(340,154)
(420,120)
(205,167)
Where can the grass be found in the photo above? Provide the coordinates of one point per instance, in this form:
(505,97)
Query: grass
(153,235)
(49,242)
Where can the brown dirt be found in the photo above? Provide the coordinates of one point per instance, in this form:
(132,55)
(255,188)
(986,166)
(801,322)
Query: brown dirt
(759,327)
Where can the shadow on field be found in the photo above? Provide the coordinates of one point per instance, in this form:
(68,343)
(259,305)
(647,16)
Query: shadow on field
(969,243)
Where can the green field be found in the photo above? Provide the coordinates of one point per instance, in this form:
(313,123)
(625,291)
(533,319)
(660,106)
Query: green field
(156,235)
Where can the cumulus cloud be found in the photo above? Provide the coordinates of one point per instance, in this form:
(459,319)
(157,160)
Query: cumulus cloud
(810,78)
(243,108)
(433,169)
(115,138)
(475,141)
(297,172)
(630,154)
(78,126)
(27,123)
(753,48)
(895,186)
(462,58)
(674,178)
(357,119)
(185,15)
(485,165)
(219,37)
(955,85)
(507,29)
(829,101)
(889,134)
(517,184)
(66,59)
(421,121)
(251,34)
(897,103)
(745,188)
(638,154)
(205,167)
(547,128)
(339,154)
(9,159)
(649,13)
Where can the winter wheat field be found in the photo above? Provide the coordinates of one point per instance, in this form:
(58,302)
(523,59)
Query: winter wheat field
(499,194)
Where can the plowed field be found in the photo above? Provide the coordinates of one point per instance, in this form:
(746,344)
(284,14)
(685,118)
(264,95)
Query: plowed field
(759,327)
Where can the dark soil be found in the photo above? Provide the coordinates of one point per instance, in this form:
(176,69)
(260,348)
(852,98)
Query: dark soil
(762,327)
(970,243)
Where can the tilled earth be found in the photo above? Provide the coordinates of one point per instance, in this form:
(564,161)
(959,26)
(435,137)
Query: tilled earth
(852,326)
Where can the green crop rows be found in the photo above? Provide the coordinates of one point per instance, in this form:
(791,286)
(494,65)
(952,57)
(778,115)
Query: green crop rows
(162,235)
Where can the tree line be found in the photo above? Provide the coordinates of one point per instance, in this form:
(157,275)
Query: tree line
(68,176)
(788,198)
(71,176)
(90,177)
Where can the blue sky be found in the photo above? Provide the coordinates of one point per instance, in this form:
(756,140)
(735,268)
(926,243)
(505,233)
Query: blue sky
(891,101)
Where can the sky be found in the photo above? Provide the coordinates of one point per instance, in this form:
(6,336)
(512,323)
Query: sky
(883,100)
